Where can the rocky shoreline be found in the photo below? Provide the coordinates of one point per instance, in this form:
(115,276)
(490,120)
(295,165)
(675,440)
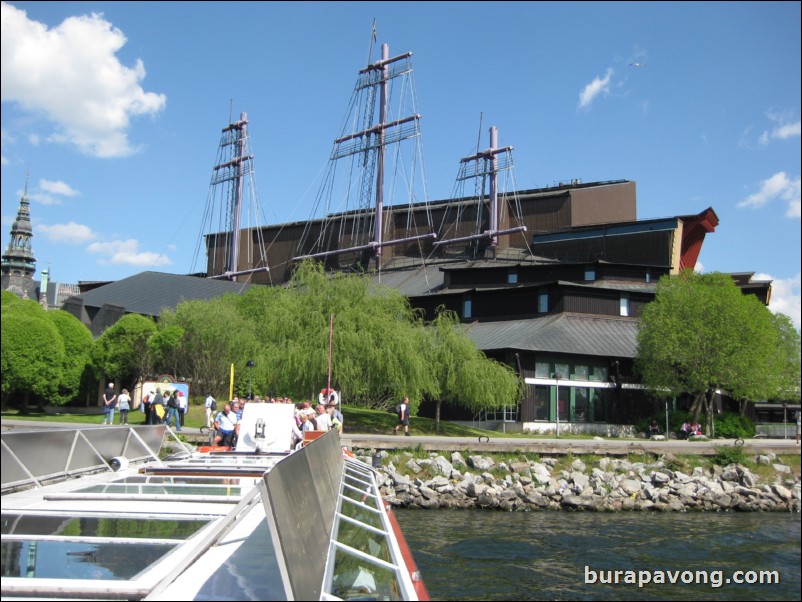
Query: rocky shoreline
(606,485)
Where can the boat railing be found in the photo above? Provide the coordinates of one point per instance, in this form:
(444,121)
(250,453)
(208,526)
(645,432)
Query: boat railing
(31,458)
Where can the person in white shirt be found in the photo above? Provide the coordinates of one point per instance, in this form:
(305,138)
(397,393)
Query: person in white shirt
(322,418)
(226,423)
(211,407)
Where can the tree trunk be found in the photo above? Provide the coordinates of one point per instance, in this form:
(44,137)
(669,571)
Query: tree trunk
(696,406)
(708,403)
(437,416)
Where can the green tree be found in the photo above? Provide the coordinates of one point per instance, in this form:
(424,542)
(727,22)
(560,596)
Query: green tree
(464,376)
(121,352)
(167,351)
(32,353)
(215,335)
(78,344)
(701,334)
(379,342)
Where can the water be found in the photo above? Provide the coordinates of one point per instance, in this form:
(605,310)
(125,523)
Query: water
(478,555)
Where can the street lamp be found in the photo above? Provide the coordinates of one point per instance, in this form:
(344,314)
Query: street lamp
(557,376)
(249,364)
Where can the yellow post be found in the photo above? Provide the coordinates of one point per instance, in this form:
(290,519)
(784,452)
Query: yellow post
(231,384)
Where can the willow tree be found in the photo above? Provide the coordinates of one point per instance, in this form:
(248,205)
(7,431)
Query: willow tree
(464,375)
(701,333)
(379,342)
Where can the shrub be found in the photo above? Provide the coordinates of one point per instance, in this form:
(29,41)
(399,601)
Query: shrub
(726,455)
(731,425)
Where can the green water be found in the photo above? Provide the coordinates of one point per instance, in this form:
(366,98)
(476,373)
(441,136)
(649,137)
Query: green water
(491,555)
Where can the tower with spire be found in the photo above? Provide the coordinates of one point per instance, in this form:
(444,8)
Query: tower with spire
(18,262)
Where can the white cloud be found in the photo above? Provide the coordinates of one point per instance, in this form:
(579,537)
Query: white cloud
(785,128)
(777,186)
(58,187)
(785,297)
(70,233)
(125,252)
(699,267)
(71,75)
(594,88)
(43,198)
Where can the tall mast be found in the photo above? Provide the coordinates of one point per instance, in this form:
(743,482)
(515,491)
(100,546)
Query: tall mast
(485,163)
(371,142)
(378,232)
(231,174)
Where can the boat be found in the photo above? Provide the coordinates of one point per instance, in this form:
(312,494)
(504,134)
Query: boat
(96,512)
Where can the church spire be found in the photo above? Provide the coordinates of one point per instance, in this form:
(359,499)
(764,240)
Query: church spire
(18,261)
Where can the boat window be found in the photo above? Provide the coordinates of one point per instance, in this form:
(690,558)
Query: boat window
(97,526)
(361,512)
(76,559)
(356,577)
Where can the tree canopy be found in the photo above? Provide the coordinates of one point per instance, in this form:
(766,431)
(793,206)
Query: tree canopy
(701,333)
(121,350)
(32,354)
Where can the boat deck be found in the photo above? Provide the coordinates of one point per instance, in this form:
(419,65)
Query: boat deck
(235,526)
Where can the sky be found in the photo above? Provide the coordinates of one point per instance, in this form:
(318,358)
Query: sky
(112,113)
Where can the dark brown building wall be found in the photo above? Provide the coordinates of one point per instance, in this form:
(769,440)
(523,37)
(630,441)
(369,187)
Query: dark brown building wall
(649,248)
(545,210)
(603,204)
(591,303)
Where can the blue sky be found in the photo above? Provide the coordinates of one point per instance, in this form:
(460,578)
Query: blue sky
(115,109)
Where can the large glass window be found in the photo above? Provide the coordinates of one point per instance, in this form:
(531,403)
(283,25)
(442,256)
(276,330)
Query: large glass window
(581,404)
(542,404)
(543,370)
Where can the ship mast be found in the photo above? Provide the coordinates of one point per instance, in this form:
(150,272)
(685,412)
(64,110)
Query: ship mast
(485,163)
(371,143)
(231,175)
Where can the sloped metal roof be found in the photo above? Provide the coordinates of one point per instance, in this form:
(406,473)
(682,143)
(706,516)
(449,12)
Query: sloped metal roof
(631,287)
(147,293)
(565,333)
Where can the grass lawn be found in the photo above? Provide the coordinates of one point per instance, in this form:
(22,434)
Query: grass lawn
(357,420)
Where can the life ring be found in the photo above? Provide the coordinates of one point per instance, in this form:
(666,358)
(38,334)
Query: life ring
(326,396)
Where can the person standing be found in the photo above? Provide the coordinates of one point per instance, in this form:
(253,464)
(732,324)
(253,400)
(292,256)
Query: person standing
(173,411)
(798,417)
(403,417)
(211,408)
(183,407)
(109,403)
(124,401)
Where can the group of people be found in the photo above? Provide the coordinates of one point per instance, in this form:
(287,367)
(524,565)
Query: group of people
(227,421)
(165,407)
(689,430)
(320,418)
(112,401)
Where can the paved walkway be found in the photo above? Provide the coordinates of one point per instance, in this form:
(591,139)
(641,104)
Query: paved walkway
(613,447)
